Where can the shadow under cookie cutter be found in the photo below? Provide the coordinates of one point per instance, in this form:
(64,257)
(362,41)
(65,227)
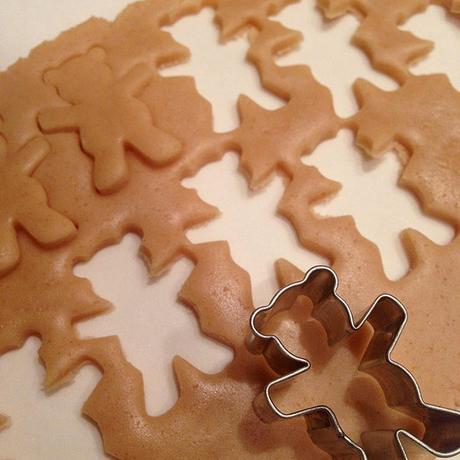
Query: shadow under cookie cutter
(387,316)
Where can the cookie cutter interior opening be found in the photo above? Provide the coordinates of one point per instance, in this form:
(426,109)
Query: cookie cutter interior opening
(387,316)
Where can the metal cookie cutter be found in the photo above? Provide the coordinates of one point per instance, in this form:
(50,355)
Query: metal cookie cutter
(387,316)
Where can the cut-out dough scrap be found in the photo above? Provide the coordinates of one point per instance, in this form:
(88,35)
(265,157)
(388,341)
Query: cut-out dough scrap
(220,293)
(424,121)
(201,145)
(389,49)
(275,139)
(214,417)
(136,36)
(153,204)
(235,15)
(53,300)
(23,204)
(214,263)
(428,289)
(108,117)
(214,414)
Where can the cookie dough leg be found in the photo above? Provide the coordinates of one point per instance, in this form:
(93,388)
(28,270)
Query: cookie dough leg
(110,169)
(47,226)
(9,249)
(31,155)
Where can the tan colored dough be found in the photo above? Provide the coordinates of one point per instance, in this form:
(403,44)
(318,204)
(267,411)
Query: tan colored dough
(214,416)
(274,140)
(428,290)
(23,92)
(107,116)
(136,36)
(236,15)
(389,49)
(425,122)
(452,5)
(23,205)
(63,353)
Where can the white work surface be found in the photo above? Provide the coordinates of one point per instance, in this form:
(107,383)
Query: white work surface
(50,426)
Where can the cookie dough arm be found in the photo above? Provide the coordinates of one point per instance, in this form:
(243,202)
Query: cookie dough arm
(136,79)
(58,119)
(155,145)
(47,226)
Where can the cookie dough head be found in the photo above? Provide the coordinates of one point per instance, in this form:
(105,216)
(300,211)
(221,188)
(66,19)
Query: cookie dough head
(80,77)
